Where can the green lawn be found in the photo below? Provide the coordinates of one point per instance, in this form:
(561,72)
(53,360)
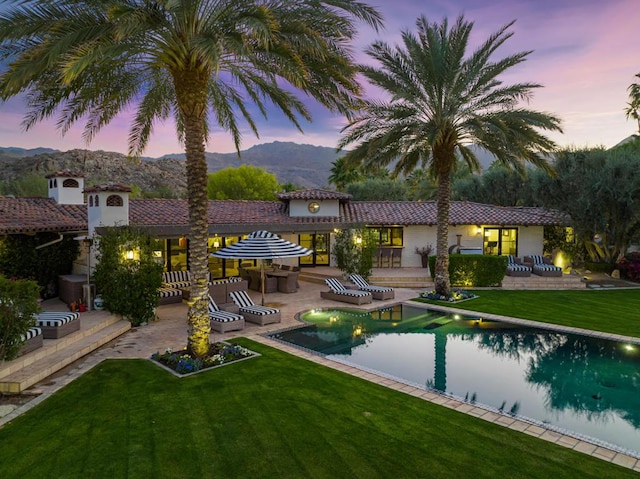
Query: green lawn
(611,311)
(276,416)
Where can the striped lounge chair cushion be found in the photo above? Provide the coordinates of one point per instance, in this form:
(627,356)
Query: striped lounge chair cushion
(361,283)
(55,318)
(166,292)
(540,265)
(339,288)
(512,265)
(244,302)
(177,279)
(216,314)
(546,267)
(31,333)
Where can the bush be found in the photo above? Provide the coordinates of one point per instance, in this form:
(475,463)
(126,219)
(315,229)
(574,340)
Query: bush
(354,249)
(474,269)
(18,306)
(129,287)
(599,267)
(630,266)
(19,257)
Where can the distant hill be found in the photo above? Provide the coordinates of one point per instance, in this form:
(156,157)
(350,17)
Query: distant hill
(303,165)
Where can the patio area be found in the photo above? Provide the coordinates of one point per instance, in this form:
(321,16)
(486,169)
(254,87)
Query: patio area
(170,331)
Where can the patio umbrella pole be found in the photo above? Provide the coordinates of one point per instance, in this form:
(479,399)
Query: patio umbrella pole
(262,279)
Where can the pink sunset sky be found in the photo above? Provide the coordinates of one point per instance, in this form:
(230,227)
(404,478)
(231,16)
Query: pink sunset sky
(585,54)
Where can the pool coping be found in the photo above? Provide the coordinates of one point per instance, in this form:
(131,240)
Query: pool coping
(557,435)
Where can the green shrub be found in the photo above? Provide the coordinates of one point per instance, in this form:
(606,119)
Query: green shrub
(599,267)
(129,287)
(20,258)
(474,269)
(18,306)
(354,249)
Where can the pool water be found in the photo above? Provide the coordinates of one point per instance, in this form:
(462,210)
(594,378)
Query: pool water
(577,384)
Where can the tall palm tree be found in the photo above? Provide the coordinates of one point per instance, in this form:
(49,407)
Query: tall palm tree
(440,102)
(633,107)
(201,62)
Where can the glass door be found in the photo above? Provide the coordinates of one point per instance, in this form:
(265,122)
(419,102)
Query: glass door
(500,241)
(319,243)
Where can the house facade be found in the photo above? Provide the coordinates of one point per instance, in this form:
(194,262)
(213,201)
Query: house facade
(309,217)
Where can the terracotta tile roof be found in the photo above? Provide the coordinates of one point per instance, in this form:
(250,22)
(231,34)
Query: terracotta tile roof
(26,215)
(65,173)
(107,187)
(30,215)
(314,194)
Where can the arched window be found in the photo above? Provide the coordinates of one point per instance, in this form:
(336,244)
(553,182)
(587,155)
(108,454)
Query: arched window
(55,182)
(50,183)
(97,200)
(114,200)
(90,200)
(70,183)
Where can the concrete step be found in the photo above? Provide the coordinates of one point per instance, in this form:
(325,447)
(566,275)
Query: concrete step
(22,373)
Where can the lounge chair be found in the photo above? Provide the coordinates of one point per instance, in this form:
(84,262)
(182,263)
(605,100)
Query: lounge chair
(339,292)
(223,321)
(378,292)
(542,266)
(516,268)
(56,324)
(252,312)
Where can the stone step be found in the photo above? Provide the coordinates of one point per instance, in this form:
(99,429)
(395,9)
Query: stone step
(53,357)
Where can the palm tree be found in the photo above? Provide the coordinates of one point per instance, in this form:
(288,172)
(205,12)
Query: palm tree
(440,102)
(633,107)
(199,61)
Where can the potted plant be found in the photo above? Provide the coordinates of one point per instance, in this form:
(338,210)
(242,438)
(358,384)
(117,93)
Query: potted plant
(424,252)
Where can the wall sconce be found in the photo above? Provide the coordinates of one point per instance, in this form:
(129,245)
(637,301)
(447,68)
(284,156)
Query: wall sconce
(130,254)
(182,242)
(478,230)
(358,240)
(216,242)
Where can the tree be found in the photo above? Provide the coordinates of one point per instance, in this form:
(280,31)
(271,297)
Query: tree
(379,189)
(198,61)
(633,107)
(440,102)
(245,182)
(343,174)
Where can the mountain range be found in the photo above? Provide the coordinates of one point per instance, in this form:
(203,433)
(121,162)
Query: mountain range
(306,166)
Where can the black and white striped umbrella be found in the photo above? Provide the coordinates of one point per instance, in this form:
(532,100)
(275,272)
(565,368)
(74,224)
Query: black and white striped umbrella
(262,245)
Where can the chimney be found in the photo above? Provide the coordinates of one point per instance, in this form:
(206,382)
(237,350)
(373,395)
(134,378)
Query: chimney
(65,187)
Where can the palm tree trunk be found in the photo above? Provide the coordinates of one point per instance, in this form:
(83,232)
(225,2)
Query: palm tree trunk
(441,275)
(192,96)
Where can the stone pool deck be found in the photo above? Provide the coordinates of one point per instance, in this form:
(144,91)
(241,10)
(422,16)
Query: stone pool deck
(170,331)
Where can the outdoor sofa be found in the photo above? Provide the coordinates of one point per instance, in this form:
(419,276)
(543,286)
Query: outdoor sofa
(515,267)
(339,292)
(542,266)
(32,339)
(57,324)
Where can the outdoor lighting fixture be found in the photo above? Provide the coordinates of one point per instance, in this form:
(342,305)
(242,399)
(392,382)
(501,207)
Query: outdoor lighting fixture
(478,230)
(216,242)
(358,240)
(130,254)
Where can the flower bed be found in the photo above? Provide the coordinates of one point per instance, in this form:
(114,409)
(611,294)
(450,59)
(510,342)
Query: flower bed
(457,295)
(182,363)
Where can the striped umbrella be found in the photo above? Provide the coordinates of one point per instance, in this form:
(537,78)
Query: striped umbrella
(262,245)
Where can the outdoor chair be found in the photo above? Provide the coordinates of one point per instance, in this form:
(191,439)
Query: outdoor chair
(339,292)
(542,266)
(288,284)
(252,312)
(223,321)
(396,257)
(56,324)
(270,284)
(378,292)
(385,257)
(516,268)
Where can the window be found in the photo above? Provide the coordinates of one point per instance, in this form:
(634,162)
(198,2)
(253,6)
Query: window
(389,235)
(70,183)
(114,200)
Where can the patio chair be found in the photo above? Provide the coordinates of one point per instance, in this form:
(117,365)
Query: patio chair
(223,321)
(339,292)
(288,284)
(542,266)
(385,257)
(252,312)
(378,292)
(516,268)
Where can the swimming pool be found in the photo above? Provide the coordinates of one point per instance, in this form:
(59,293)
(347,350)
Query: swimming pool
(579,385)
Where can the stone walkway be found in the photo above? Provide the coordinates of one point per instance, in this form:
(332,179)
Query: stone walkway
(170,331)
